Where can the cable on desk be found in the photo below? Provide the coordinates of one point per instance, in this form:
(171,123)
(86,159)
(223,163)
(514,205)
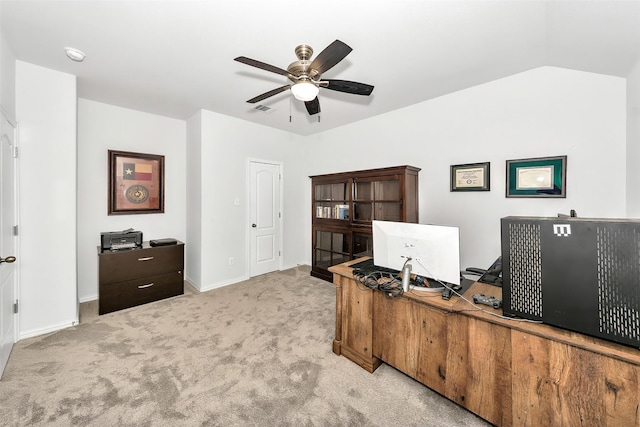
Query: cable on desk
(475,306)
(391,285)
(393,288)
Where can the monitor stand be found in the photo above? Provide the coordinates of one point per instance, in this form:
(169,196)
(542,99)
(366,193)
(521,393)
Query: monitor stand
(433,286)
(423,289)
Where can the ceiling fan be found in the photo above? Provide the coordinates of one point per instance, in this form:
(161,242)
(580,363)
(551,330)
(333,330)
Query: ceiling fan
(305,75)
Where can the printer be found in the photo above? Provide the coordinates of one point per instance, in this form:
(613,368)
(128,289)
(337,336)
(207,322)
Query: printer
(116,240)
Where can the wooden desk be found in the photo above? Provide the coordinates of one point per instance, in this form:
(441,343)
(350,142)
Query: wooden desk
(509,372)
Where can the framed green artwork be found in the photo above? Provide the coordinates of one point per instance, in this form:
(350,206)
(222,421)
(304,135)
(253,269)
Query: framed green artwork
(538,177)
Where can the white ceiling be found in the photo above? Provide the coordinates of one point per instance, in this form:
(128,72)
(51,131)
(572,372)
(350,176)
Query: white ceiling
(173,58)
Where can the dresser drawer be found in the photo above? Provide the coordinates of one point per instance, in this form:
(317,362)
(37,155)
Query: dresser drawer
(130,293)
(136,263)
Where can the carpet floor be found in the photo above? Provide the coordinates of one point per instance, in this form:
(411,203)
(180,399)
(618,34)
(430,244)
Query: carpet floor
(255,353)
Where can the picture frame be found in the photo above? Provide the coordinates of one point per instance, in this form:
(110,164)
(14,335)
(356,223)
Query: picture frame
(471,177)
(537,177)
(136,183)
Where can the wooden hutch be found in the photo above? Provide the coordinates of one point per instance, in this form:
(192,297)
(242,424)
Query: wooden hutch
(344,204)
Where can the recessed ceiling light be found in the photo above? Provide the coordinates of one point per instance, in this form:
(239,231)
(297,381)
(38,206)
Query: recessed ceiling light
(74,54)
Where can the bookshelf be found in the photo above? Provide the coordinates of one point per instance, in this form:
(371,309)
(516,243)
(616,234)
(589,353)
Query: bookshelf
(345,203)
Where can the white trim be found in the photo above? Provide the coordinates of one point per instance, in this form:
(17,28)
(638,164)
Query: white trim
(216,285)
(48,329)
(6,116)
(89,298)
(18,271)
(16,214)
(193,284)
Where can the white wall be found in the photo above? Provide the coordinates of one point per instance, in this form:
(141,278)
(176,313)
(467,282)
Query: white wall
(543,112)
(633,142)
(547,111)
(226,146)
(46,112)
(7,77)
(193,266)
(103,127)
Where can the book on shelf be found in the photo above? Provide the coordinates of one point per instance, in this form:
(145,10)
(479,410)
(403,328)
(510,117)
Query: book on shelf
(337,212)
(342,211)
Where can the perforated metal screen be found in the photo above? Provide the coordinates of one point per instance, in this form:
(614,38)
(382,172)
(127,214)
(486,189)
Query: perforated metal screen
(525,273)
(619,282)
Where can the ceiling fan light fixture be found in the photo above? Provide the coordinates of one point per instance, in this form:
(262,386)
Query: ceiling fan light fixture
(305,91)
(306,73)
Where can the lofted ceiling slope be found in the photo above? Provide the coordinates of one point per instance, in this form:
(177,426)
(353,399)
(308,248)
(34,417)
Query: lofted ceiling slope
(173,58)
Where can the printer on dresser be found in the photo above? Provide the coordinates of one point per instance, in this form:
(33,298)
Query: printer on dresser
(133,276)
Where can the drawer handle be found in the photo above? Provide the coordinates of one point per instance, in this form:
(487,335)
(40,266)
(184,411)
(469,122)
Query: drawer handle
(145,258)
(145,286)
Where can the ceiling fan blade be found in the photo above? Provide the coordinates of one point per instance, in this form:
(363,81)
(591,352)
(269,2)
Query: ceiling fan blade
(313,107)
(330,56)
(348,87)
(268,94)
(261,65)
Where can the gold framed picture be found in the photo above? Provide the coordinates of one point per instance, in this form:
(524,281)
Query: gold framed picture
(471,177)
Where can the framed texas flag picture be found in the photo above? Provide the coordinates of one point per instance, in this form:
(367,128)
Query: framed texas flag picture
(136,183)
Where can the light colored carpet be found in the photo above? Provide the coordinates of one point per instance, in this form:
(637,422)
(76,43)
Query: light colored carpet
(256,353)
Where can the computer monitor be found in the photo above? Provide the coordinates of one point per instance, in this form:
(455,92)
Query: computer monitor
(434,249)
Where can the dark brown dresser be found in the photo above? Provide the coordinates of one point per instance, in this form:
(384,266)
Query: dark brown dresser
(127,278)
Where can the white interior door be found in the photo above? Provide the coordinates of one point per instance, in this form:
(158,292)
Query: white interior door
(8,243)
(264,217)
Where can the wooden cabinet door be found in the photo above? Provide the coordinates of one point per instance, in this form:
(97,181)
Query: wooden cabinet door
(330,247)
(357,330)
(378,198)
(413,338)
(478,368)
(331,200)
(555,384)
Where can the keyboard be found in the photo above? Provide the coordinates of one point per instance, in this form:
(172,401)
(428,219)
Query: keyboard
(367,267)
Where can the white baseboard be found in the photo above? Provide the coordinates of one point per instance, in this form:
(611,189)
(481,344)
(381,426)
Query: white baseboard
(53,328)
(191,282)
(89,298)
(217,285)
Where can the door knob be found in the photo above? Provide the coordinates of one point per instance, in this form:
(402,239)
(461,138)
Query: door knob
(253,225)
(8,259)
